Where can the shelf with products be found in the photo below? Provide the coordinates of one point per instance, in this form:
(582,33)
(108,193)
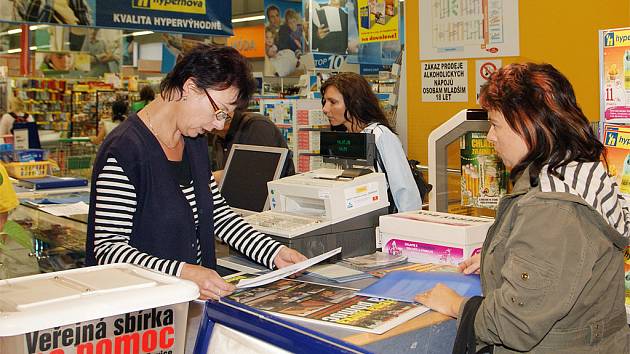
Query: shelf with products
(300,121)
(46,101)
(84,115)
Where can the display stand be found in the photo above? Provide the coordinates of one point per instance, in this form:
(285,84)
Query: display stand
(253,326)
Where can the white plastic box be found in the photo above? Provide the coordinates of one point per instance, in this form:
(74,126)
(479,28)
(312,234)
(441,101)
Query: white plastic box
(116,308)
(433,237)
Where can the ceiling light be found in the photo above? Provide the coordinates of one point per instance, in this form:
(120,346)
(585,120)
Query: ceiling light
(32,47)
(14,50)
(247,19)
(14,31)
(140,33)
(36,27)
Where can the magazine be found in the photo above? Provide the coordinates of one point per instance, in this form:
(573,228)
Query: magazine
(416,267)
(374,261)
(328,305)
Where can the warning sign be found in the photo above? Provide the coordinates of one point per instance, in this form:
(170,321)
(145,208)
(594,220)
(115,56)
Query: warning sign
(483,70)
(445,81)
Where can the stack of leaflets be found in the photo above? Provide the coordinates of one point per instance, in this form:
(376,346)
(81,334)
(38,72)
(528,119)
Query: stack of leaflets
(336,273)
(373,261)
(416,267)
(327,305)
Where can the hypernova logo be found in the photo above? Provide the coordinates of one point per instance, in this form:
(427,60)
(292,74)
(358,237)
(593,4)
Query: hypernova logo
(187,6)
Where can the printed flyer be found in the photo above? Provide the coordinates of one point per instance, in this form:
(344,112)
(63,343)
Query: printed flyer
(617,145)
(615,75)
(378,20)
(330,305)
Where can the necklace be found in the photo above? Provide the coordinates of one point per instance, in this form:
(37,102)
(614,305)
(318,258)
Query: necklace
(154,131)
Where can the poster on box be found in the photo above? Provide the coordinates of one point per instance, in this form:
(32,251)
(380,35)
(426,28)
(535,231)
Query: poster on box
(468,29)
(378,20)
(615,75)
(143,332)
(284,38)
(484,177)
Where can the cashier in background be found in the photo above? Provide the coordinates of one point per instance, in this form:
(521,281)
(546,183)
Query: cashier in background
(348,100)
(251,129)
(153,200)
(8,199)
(552,264)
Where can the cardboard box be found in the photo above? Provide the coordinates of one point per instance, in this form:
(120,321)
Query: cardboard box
(433,237)
(116,308)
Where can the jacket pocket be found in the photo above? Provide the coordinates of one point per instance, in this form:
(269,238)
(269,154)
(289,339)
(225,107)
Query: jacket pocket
(529,275)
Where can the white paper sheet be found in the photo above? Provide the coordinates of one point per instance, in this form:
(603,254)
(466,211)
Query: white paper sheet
(284,272)
(332,16)
(66,209)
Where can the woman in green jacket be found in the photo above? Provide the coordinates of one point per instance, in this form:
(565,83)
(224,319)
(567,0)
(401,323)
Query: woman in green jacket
(552,263)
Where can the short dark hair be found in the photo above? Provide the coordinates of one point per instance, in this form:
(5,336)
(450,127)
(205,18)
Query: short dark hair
(362,105)
(210,66)
(119,110)
(539,104)
(147,94)
(272,8)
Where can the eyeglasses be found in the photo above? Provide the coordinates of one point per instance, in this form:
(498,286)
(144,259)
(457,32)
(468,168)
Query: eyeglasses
(220,114)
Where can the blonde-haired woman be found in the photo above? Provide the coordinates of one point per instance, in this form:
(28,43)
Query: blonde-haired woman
(15,114)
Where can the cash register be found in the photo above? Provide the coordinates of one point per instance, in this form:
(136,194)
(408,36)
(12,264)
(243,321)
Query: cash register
(317,211)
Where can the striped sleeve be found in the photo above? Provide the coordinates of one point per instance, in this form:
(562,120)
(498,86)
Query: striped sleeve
(236,232)
(114,210)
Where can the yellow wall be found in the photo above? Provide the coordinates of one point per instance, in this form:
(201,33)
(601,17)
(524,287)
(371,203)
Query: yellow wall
(560,32)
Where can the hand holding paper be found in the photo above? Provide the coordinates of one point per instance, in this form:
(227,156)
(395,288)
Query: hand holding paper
(284,272)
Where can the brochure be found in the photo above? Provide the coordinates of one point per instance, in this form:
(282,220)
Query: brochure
(286,271)
(328,305)
(405,285)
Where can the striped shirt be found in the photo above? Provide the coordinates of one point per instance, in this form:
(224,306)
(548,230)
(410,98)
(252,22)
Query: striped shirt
(591,182)
(115,207)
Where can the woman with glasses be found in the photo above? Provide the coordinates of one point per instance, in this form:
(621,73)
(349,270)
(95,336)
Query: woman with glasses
(154,201)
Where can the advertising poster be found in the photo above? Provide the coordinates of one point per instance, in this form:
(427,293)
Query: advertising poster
(176,45)
(329,25)
(617,145)
(249,41)
(445,81)
(191,16)
(378,20)
(284,38)
(62,62)
(615,75)
(468,29)
(484,178)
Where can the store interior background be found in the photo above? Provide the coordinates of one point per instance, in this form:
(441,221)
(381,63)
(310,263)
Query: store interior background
(558,32)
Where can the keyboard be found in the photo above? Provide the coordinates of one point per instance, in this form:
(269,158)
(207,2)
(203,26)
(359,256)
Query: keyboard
(284,223)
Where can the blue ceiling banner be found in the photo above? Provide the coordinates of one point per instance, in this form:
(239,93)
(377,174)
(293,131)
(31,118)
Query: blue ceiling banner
(204,17)
(182,16)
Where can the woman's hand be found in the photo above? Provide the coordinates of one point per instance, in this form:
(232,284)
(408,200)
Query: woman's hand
(211,285)
(441,299)
(288,256)
(322,32)
(471,265)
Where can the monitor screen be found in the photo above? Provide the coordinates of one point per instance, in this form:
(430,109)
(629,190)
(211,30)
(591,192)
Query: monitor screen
(345,145)
(247,171)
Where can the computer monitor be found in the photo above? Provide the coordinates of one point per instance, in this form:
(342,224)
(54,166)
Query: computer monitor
(26,135)
(247,171)
(359,148)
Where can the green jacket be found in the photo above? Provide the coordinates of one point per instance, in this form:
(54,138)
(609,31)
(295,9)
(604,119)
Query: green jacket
(552,278)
